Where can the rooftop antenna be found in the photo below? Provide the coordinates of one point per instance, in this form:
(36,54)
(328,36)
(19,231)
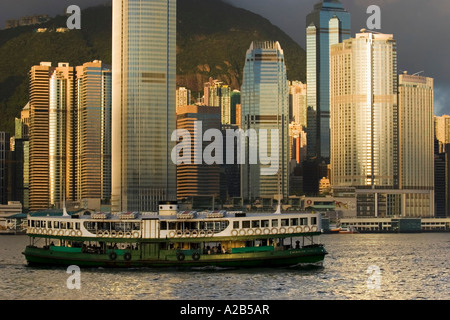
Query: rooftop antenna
(417,73)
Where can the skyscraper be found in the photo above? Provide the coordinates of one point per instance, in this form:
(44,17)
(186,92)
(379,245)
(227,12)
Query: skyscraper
(198,179)
(265,106)
(218,94)
(94,130)
(329,23)
(416,144)
(60,130)
(4,157)
(381,129)
(39,136)
(143,106)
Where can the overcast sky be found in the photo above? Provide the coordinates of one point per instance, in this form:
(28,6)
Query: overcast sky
(420,28)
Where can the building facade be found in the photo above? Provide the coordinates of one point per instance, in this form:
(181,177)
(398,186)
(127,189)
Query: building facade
(416,144)
(196,179)
(143,105)
(329,23)
(94,131)
(381,129)
(265,106)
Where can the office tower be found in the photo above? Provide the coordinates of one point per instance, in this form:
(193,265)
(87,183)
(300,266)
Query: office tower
(364,133)
(143,105)
(297,103)
(328,24)
(4,159)
(265,106)
(39,136)
(60,130)
(416,143)
(183,97)
(218,94)
(94,131)
(198,179)
(442,131)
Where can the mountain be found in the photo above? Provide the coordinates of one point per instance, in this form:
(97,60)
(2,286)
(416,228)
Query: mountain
(212,40)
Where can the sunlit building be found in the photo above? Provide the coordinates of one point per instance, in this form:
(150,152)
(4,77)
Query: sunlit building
(218,94)
(265,105)
(381,129)
(143,104)
(94,131)
(416,144)
(39,136)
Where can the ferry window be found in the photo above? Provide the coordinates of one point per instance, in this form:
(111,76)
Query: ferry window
(38,224)
(49,223)
(137,226)
(163,225)
(275,223)
(255,223)
(63,225)
(294,222)
(77,225)
(172,225)
(56,224)
(69,225)
(245,224)
(314,220)
(264,223)
(284,222)
(235,224)
(303,221)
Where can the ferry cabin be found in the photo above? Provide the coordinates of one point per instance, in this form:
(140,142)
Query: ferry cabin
(173,235)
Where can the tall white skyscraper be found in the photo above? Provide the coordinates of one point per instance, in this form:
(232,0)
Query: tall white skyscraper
(143,105)
(265,105)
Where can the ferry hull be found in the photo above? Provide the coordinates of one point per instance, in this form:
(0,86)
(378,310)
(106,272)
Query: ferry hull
(285,258)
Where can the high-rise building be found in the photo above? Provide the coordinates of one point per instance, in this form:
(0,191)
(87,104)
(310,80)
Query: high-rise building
(416,144)
(364,112)
(378,127)
(39,136)
(143,105)
(297,103)
(218,94)
(265,106)
(235,100)
(198,179)
(60,130)
(442,131)
(183,97)
(329,23)
(94,131)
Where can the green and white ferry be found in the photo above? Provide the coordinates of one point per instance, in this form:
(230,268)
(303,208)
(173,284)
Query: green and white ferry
(173,238)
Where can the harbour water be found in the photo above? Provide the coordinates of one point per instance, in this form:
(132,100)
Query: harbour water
(358,267)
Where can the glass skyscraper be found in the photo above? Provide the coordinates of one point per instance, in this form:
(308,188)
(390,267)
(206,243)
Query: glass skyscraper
(143,107)
(329,23)
(265,105)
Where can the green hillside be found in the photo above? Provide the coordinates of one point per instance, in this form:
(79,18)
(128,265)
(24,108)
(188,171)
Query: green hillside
(212,40)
